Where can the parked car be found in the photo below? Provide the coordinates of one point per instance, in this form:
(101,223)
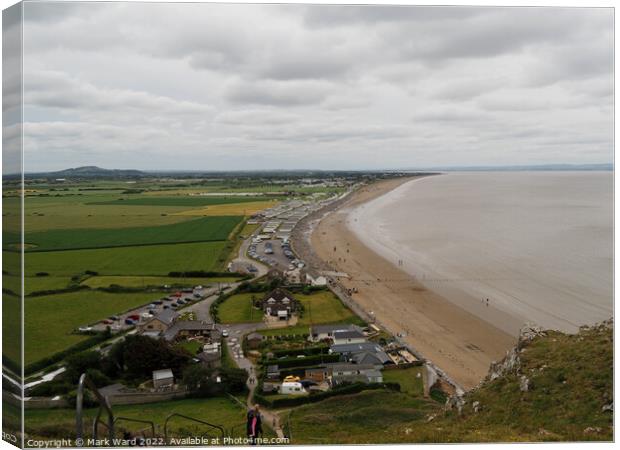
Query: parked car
(152,305)
(181,301)
(224,333)
(107,322)
(84,329)
(134,317)
(114,318)
(129,321)
(157,302)
(166,306)
(196,295)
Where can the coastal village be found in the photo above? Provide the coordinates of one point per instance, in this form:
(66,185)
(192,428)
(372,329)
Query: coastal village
(279,328)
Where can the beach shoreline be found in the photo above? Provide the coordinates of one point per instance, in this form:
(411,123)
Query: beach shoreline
(460,343)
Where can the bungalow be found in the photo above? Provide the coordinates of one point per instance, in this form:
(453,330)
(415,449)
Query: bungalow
(322,332)
(161,322)
(371,376)
(279,303)
(316,280)
(364,353)
(348,337)
(189,328)
(317,374)
(349,369)
(163,379)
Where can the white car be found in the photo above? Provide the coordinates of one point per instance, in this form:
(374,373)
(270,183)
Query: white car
(224,333)
(85,329)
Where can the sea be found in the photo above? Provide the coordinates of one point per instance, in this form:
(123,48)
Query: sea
(537,246)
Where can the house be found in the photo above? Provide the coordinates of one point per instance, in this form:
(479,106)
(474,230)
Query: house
(362,353)
(279,303)
(348,337)
(295,276)
(163,379)
(322,332)
(184,329)
(317,374)
(292,388)
(161,322)
(349,369)
(371,376)
(254,340)
(381,358)
(316,280)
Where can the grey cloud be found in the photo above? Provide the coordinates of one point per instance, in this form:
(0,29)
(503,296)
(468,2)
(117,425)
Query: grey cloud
(281,86)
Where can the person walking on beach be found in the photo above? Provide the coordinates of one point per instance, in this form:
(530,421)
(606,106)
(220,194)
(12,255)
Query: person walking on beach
(254,425)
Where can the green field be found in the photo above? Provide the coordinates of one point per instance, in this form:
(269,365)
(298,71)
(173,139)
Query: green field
(217,411)
(143,260)
(238,309)
(34,284)
(407,378)
(180,201)
(11,328)
(137,281)
(364,418)
(215,228)
(50,319)
(324,307)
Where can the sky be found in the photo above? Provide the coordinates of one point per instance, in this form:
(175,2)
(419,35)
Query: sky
(250,87)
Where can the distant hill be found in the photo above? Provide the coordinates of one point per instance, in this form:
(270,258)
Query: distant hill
(90,172)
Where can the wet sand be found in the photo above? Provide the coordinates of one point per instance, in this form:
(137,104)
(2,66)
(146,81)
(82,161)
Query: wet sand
(460,343)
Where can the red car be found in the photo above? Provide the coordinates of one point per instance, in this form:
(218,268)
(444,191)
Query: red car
(134,317)
(107,322)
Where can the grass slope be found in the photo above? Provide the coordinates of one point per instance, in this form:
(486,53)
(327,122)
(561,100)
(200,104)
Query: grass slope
(198,230)
(218,411)
(571,379)
(362,418)
(136,281)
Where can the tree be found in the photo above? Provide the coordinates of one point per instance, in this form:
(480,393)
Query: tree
(195,376)
(80,363)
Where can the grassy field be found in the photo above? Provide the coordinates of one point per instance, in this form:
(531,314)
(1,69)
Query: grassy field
(50,319)
(11,327)
(34,284)
(217,411)
(180,201)
(234,209)
(197,230)
(239,309)
(137,281)
(364,418)
(144,260)
(407,378)
(324,307)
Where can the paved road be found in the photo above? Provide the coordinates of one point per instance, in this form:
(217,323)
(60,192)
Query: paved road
(244,259)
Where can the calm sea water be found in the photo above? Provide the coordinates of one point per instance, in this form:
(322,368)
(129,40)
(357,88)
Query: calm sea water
(538,245)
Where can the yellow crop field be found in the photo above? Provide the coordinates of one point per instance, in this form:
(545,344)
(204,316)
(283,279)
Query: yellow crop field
(233,209)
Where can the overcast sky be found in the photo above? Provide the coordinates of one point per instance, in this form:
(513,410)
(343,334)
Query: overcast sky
(212,87)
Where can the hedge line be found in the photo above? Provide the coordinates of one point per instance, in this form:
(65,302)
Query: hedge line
(204,274)
(312,398)
(80,346)
(307,361)
(308,351)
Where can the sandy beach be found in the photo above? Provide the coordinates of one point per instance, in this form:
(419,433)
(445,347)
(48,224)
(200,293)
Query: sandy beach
(460,343)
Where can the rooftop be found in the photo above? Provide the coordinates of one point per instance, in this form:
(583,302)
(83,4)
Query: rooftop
(162,374)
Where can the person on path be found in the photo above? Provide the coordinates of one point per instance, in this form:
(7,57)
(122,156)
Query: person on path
(254,424)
